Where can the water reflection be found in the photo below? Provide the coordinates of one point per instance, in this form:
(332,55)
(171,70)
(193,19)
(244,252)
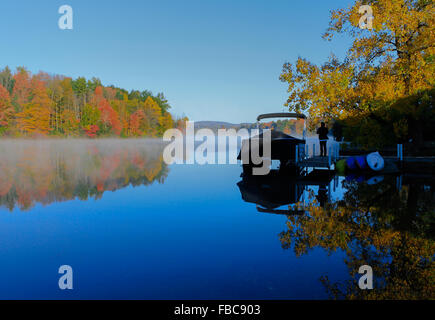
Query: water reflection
(387,223)
(276,189)
(49,171)
(388,228)
(270,191)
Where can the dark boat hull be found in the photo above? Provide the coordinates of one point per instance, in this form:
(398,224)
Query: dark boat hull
(270,191)
(283,148)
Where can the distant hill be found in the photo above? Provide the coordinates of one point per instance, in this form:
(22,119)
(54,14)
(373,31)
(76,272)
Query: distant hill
(286,126)
(215,125)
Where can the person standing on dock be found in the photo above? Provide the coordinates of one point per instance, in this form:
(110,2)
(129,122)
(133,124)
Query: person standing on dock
(323,138)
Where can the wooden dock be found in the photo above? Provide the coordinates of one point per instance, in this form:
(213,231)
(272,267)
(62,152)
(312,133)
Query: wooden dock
(305,160)
(404,159)
(412,159)
(316,162)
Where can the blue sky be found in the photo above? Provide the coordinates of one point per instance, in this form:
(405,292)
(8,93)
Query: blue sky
(214,60)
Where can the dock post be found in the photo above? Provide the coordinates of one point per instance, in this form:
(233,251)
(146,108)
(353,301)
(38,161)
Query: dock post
(399,182)
(400,152)
(329,192)
(297,154)
(329,157)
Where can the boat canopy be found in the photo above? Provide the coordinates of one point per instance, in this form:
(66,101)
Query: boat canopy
(281,115)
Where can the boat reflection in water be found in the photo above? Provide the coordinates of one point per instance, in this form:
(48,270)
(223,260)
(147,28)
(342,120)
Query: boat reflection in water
(277,189)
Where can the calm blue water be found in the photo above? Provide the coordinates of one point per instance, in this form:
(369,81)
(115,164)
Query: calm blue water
(183,234)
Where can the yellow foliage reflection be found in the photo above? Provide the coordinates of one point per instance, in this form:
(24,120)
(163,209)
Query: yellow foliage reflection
(390,230)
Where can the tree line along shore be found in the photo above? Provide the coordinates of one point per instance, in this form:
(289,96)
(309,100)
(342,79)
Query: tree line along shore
(44,105)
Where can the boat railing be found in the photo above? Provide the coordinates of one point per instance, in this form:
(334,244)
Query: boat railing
(305,159)
(300,153)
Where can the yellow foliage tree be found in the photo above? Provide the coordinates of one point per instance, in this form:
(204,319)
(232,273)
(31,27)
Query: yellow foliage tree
(153,117)
(34,119)
(6,109)
(70,125)
(392,61)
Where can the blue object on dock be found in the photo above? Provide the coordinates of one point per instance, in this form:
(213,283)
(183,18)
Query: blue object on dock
(361,162)
(351,163)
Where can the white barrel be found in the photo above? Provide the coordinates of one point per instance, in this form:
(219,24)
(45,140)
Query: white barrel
(375,161)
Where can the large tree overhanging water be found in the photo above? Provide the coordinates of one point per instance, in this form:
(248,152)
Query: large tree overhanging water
(383,91)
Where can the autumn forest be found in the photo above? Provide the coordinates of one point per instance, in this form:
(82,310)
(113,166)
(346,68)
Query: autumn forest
(39,105)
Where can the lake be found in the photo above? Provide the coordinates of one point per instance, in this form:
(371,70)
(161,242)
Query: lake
(132,227)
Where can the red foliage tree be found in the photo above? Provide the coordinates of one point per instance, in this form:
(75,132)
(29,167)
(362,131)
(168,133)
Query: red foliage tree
(109,117)
(91,130)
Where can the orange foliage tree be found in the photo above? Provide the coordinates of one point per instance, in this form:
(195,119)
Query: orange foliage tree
(35,117)
(6,109)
